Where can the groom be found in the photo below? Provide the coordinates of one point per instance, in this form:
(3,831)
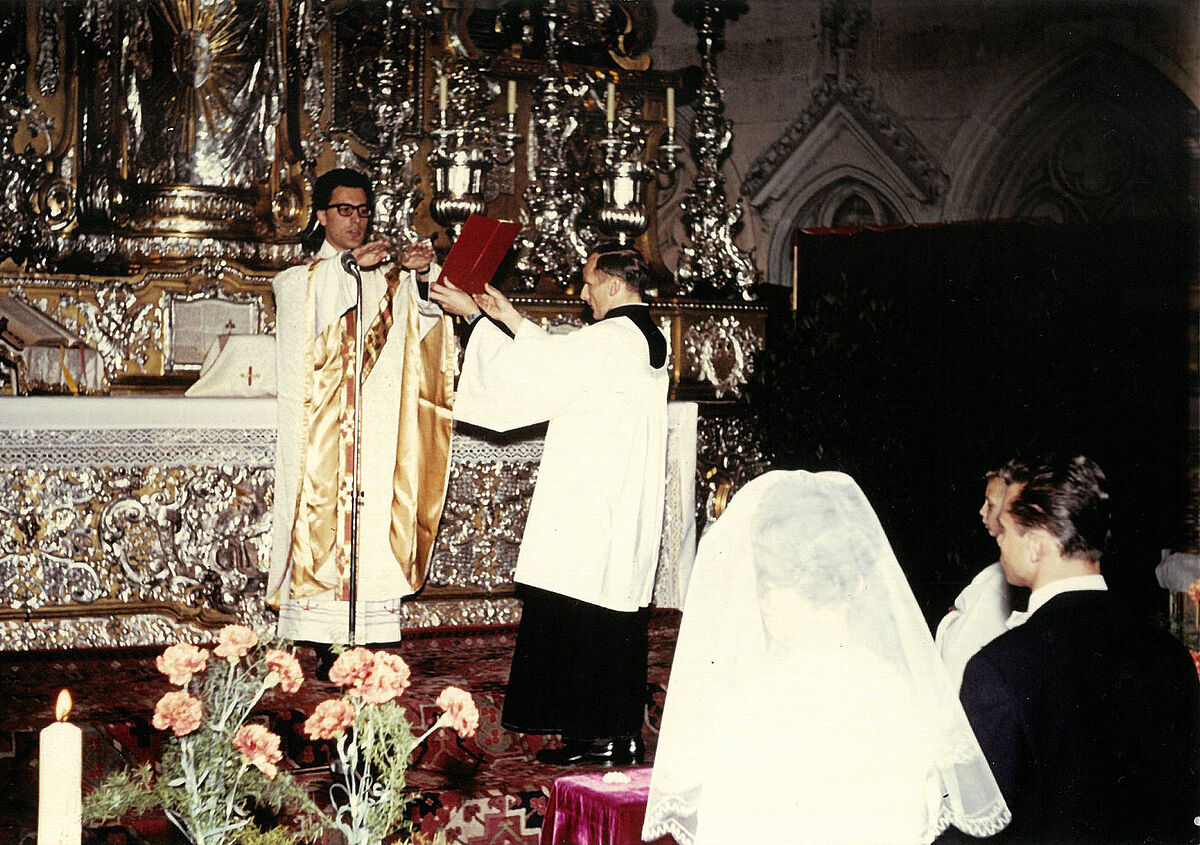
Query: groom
(1089,718)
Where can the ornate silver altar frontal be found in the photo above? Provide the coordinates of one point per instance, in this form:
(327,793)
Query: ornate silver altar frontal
(123,536)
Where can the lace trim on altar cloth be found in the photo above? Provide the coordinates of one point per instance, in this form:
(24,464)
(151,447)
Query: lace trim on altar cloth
(130,448)
(477,450)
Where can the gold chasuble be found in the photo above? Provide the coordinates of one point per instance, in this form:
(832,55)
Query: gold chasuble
(319,555)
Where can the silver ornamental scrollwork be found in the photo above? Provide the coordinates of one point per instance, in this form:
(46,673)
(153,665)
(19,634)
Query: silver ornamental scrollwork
(729,453)
(118,327)
(477,546)
(459,612)
(722,348)
(192,537)
(101,632)
(47,68)
(24,233)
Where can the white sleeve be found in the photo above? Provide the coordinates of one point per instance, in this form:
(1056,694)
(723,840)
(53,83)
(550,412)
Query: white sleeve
(508,383)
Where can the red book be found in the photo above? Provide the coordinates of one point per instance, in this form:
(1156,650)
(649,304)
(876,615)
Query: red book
(477,252)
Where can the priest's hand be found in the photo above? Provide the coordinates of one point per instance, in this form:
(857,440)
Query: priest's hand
(496,305)
(452,299)
(371,255)
(417,256)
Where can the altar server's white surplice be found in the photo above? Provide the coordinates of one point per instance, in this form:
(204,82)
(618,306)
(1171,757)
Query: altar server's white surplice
(595,521)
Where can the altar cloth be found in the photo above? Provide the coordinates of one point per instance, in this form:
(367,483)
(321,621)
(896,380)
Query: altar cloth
(584,810)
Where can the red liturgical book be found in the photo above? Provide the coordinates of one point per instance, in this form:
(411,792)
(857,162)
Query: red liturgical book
(477,252)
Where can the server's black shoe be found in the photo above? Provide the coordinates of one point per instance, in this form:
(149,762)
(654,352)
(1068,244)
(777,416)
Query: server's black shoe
(622,751)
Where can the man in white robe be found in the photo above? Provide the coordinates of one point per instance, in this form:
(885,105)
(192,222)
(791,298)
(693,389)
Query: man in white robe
(402,480)
(586,566)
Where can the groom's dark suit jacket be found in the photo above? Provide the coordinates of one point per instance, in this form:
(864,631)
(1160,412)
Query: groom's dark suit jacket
(1090,720)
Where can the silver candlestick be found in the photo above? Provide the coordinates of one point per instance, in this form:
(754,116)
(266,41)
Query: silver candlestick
(622,213)
(458,171)
(712,264)
(550,243)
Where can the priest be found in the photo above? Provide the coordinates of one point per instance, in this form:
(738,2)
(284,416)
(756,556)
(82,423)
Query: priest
(407,372)
(585,572)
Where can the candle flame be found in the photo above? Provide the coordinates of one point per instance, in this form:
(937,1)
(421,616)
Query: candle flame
(62,707)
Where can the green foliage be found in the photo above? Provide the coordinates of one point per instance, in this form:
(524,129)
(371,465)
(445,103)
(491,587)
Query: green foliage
(202,782)
(371,802)
(122,794)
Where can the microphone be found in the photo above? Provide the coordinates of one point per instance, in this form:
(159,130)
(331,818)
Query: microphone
(350,265)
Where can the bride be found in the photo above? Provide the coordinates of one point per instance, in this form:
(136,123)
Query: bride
(807,703)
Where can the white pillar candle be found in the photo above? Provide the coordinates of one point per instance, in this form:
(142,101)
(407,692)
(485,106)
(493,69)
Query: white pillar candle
(512,96)
(443,93)
(60,779)
(670,108)
(610,104)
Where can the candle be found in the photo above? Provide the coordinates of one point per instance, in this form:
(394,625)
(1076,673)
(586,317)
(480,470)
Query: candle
(60,779)
(610,104)
(670,108)
(795,270)
(512,96)
(443,93)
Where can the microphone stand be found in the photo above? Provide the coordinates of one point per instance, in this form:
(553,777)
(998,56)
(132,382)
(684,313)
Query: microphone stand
(351,267)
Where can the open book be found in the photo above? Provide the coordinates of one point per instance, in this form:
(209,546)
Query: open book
(477,252)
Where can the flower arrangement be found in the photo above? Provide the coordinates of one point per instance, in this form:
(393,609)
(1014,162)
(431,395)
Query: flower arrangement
(374,740)
(217,768)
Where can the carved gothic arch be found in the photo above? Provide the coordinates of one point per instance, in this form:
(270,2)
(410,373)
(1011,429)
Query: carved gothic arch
(844,148)
(1095,133)
(816,203)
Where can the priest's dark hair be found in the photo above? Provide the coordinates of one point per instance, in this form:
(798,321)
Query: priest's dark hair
(340,177)
(623,263)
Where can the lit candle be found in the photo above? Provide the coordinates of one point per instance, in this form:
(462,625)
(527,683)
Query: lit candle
(60,779)
(795,270)
(443,93)
(670,108)
(512,96)
(610,104)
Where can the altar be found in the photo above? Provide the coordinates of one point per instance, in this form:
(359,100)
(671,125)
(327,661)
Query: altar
(147,520)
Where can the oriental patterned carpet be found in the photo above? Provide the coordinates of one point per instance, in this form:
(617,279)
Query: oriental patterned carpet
(487,790)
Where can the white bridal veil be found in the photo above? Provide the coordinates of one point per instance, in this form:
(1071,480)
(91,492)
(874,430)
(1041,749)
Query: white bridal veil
(807,703)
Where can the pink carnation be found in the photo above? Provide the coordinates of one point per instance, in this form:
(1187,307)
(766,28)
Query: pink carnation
(460,707)
(352,667)
(330,719)
(259,748)
(387,679)
(181,661)
(234,642)
(178,712)
(287,667)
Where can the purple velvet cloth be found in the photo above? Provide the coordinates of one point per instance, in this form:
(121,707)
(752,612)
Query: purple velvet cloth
(584,810)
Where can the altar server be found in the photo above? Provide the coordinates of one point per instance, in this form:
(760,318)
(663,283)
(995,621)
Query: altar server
(407,391)
(586,567)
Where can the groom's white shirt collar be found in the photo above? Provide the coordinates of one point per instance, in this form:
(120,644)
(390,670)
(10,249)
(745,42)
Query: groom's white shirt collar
(1041,595)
